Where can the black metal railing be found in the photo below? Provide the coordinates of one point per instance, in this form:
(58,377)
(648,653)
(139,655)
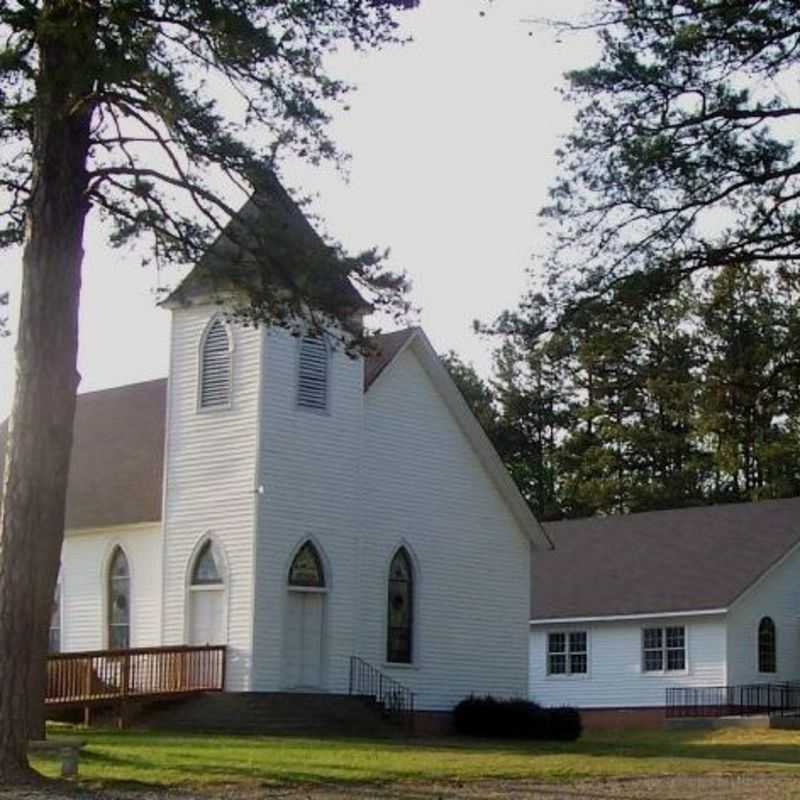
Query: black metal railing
(367,681)
(734,701)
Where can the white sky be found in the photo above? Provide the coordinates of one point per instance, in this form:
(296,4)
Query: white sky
(452,140)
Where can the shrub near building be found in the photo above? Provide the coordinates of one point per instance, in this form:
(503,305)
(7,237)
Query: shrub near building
(516,719)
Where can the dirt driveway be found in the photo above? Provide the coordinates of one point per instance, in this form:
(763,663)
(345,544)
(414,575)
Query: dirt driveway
(668,787)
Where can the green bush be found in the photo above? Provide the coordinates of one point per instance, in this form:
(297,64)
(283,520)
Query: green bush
(515,719)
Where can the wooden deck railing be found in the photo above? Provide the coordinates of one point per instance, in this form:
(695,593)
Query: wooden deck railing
(107,676)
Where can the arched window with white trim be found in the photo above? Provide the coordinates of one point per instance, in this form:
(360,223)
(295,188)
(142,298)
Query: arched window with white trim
(307,570)
(767,657)
(207,597)
(119,601)
(400,609)
(313,374)
(215,365)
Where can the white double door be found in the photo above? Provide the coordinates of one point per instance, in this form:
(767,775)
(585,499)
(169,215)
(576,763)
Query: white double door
(304,631)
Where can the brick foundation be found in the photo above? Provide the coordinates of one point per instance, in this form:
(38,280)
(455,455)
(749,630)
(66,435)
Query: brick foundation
(617,718)
(433,723)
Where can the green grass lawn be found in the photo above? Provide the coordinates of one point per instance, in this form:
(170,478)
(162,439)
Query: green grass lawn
(173,759)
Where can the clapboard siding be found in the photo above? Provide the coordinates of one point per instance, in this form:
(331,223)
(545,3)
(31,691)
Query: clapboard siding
(777,595)
(84,579)
(424,486)
(615,678)
(309,469)
(210,482)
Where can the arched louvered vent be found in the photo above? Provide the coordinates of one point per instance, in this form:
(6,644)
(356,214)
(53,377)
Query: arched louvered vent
(312,384)
(215,368)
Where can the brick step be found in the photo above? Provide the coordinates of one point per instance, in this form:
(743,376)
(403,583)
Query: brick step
(271,713)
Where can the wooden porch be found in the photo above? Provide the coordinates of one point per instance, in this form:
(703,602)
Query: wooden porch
(116,677)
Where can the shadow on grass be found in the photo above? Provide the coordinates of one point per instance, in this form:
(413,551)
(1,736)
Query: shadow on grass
(360,766)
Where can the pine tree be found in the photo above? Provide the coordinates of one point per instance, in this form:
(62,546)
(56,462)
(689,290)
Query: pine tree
(112,107)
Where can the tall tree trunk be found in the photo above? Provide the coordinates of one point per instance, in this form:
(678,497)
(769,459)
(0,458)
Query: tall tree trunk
(40,436)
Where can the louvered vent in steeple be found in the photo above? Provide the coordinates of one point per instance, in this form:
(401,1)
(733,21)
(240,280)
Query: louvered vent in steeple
(312,384)
(215,368)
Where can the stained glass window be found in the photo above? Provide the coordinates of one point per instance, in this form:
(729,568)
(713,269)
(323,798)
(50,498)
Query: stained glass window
(206,567)
(119,607)
(400,609)
(767,661)
(306,569)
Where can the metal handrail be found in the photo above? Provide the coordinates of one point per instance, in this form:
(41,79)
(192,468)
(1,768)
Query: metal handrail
(742,700)
(368,681)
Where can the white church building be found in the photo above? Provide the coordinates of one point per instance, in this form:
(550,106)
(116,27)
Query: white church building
(301,507)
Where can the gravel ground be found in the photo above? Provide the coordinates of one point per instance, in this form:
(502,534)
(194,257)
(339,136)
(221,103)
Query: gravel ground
(707,787)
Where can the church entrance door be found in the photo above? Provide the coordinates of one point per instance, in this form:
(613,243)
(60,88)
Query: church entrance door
(305,625)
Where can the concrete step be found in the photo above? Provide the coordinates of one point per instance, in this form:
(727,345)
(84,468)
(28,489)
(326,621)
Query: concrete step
(272,713)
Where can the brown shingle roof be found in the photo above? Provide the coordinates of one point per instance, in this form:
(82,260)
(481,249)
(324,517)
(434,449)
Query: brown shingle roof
(116,470)
(116,473)
(661,561)
(386,347)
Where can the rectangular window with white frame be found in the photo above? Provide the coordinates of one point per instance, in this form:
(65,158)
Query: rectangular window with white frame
(567,653)
(664,649)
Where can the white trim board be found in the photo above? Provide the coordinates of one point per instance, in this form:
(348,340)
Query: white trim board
(706,612)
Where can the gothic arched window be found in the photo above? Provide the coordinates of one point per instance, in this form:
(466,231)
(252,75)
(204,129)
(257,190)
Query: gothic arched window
(207,597)
(119,601)
(206,570)
(766,646)
(400,610)
(306,570)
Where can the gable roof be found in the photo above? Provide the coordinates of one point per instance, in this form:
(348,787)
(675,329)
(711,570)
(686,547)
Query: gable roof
(660,562)
(272,228)
(385,348)
(117,462)
(416,340)
(117,466)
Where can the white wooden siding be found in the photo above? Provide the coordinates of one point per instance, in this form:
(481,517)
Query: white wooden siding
(310,473)
(424,486)
(615,678)
(210,482)
(84,579)
(776,596)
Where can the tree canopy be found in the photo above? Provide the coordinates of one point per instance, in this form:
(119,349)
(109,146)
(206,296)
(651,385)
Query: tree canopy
(690,399)
(155,114)
(683,156)
(190,107)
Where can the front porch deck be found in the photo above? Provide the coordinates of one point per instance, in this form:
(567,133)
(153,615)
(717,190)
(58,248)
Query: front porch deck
(107,677)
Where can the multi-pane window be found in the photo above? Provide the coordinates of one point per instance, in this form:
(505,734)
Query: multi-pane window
(215,366)
(400,609)
(119,602)
(312,382)
(566,653)
(767,661)
(664,649)
(54,644)
(306,570)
